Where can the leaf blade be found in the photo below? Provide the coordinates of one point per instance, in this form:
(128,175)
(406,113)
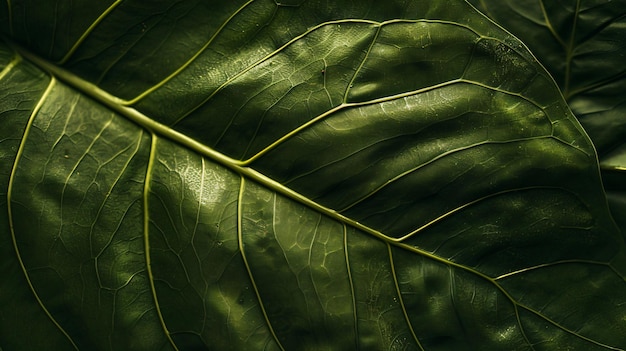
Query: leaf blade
(286,233)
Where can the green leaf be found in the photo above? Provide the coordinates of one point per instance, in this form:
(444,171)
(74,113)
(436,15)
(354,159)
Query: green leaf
(583,45)
(294,176)
(21,87)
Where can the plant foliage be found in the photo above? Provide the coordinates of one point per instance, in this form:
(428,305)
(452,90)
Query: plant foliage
(310,175)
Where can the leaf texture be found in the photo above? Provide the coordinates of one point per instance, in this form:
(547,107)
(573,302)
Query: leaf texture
(295,175)
(582,45)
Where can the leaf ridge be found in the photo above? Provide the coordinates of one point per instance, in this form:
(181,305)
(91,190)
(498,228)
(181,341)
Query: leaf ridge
(518,318)
(551,264)
(400,299)
(18,156)
(79,160)
(87,32)
(569,52)
(309,259)
(146,237)
(193,240)
(494,282)
(240,167)
(601,27)
(351,281)
(108,192)
(251,66)
(452,265)
(336,109)
(242,188)
(347,105)
(165,236)
(14,62)
(189,61)
(550,26)
(157,128)
(434,159)
(358,69)
(567,330)
(600,83)
(469,204)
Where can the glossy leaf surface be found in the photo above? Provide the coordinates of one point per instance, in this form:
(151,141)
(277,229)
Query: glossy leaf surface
(582,43)
(294,176)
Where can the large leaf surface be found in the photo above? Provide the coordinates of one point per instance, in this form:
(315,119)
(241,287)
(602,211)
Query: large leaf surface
(295,176)
(582,43)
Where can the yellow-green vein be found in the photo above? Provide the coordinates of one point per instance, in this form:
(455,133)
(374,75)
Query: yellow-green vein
(549,25)
(468,204)
(101,208)
(494,282)
(240,167)
(242,188)
(551,264)
(18,157)
(433,160)
(338,108)
(569,53)
(189,61)
(350,280)
(77,163)
(16,60)
(378,101)
(400,299)
(266,57)
(146,237)
(358,69)
(157,128)
(88,31)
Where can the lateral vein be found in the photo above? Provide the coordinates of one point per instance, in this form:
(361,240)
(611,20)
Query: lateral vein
(10,210)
